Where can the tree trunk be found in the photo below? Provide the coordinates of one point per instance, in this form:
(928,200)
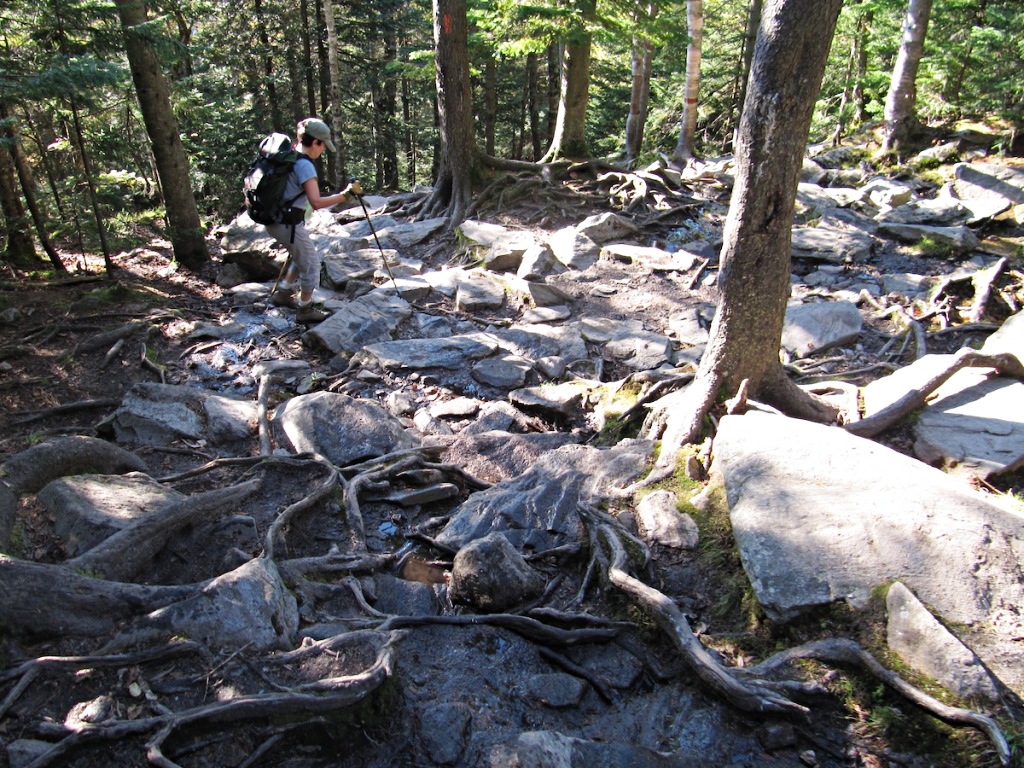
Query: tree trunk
(453,186)
(640,89)
(490,104)
(20,249)
(267,62)
(688,130)
(554,61)
(337,161)
(570,137)
(307,59)
(28,185)
(409,133)
(789,60)
(753,22)
(533,107)
(901,102)
(101,230)
(184,228)
(388,143)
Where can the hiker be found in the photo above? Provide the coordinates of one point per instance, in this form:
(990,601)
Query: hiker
(303,273)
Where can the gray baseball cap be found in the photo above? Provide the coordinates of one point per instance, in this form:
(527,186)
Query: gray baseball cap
(318,129)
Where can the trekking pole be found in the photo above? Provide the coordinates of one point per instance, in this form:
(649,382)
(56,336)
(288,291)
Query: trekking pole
(284,268)
(384,258)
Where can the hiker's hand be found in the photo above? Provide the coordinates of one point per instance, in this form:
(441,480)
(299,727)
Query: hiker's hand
(355,188)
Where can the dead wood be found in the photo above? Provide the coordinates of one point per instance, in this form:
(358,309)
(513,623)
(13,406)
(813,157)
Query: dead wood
(56,601)
(965,358)
(275,534)
(107,338)
(305,702)
(130,550)
(842,651)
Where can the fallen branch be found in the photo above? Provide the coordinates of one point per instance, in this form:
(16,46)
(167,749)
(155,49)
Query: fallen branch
(81,405)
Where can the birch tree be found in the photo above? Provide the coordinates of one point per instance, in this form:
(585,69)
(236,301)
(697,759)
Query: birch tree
(901,101)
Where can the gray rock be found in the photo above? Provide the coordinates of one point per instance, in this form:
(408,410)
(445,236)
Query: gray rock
(602,227)
(986,189)
(908,284)
(31,469)
(561,400)
(490,575)
(365,321)
(973,425)
(159,414)
(538,261)
(249,607)
(548,749)
(481,234)
(502,371)
(545,295)
(810,328)
(687,328)
(403,598)
(359,264)
(24,752)
(444,728)
(450,353)
(556,690)
(507,253)
(479,292)
(887,193)
(628,342)
(90,508)
(831,245)
(410,233)
(922,642)
(229,419)
(940,212)
(958,238)
(496,455)
(342,428)
(538,509)
(809,535)
(650,257)
(663,523)
(1009,338)
(573,249)
(547,314)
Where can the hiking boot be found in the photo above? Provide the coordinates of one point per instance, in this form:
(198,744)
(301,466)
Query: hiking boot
(282,298)
(310,315)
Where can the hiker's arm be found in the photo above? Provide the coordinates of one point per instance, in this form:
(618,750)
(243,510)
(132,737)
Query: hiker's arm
(317,202)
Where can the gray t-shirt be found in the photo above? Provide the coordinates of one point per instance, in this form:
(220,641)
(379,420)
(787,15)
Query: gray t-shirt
(303,170)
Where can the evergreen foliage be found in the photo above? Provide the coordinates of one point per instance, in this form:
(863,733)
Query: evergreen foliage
(241,70)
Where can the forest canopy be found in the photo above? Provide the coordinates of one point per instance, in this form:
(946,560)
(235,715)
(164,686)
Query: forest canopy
(237,71)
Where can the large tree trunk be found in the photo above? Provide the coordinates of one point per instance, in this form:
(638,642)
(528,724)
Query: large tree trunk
(184,229)
(688,130)
(901,102)
(20,249)
(453,187)
(570,137)
(640,89)
(789,60)
(753,22)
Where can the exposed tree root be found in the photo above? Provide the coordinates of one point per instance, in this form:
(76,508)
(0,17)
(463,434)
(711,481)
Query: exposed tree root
(308,701)
(965,358)
(841,651)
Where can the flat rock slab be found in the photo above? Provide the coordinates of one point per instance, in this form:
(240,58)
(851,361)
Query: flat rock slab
(820,515)
(367,320)
(451,353)
(831,245)
(975,425)
(538,509)
(810,328)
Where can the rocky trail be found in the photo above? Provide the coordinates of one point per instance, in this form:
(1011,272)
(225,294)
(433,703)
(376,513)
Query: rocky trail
(420,532)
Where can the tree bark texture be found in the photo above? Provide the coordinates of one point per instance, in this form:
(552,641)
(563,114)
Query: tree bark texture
(901,101)
(337,162)
(453,188)
(569,140)
(184,229)
(789,60)
(688,129)
(640,89)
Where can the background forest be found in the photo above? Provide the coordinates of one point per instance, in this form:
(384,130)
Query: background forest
(235,71)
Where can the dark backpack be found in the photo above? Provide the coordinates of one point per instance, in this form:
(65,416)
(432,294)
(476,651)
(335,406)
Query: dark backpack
(266,179)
